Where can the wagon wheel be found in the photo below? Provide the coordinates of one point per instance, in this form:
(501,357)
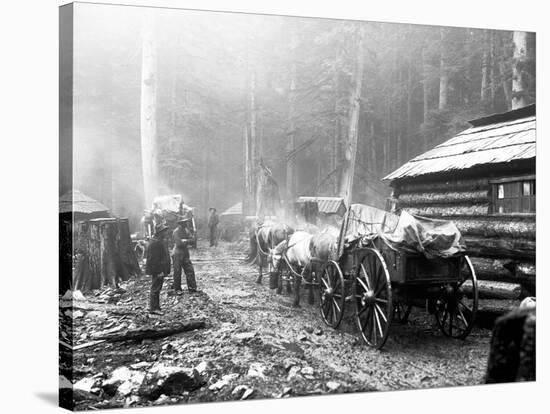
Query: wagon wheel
(373,299)
(332,302)
(401,312)
(454,311)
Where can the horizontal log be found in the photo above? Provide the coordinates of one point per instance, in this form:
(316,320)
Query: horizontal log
(152,333)
(488,289)
(527,271)
(496,228)
(437,211)
(504,270)
(447,185)
(487,268)
(449,197)
(490,309)
(500,247)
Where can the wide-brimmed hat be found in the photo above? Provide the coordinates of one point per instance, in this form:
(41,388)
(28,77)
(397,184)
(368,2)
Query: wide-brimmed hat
(160,228)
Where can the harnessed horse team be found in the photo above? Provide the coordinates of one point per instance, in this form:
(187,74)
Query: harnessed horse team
(291,254)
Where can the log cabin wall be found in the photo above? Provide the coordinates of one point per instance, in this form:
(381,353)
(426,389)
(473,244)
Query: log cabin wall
(501,246)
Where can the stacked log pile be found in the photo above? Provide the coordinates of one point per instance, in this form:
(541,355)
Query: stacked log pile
(104,254)
(501,246)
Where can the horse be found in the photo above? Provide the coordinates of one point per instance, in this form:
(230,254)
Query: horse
(264,238)
(299,251)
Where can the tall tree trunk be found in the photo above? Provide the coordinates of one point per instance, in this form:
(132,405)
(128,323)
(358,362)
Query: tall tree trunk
(410,91)
(485,66)
(399,135)
(206,176)
(348,171)
(291,132)
(519,81)
(247,190)
(373,159)
(493,68)
(319,169)
(387,140)
(335,144)
(503,70)
(149,151)
(250,167)
(425,94)
(253,130)
(443,70)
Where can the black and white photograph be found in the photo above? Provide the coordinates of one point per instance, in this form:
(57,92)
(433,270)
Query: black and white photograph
(260,206)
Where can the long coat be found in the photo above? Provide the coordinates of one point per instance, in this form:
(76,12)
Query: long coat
(158,258)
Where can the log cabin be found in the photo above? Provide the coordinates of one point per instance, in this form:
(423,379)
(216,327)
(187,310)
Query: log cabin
(484,180)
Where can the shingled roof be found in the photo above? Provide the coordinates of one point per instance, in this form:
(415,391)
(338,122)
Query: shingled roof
(327,205)
(500,138)
(234,210)
(77,202)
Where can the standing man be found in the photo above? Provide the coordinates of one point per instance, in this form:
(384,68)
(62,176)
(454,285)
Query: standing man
(182,237)
(157,265)
(213,221)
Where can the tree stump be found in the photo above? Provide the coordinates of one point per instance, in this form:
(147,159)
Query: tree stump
(104,254)
(128,265)
(513,352)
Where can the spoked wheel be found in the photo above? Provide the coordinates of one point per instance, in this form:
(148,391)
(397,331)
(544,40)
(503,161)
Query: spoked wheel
(332,302)
(401,312)
(373,299)
(455,312)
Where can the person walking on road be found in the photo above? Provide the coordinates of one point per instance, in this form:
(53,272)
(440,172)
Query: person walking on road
(182,237)
(157,266)
(213,221)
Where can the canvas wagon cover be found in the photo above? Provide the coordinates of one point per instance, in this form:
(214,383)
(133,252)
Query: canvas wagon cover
(407,233)
(168,202)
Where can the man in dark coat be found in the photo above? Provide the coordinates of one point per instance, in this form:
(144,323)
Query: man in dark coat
(213,221)
(157,265)
(182,237)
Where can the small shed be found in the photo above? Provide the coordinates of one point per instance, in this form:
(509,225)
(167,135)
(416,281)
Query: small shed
(81,206)
(484,180)
(234,210)
(326,205)
(232,222)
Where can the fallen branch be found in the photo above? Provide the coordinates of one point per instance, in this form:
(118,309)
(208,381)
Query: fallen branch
(88,344)
(152,333)
(81,346)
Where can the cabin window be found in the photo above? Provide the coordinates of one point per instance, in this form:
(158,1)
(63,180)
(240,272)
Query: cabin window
(516,195)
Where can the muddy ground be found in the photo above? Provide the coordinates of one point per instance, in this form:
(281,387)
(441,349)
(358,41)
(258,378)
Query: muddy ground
(255,345)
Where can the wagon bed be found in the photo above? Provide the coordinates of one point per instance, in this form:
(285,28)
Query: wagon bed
(386,264)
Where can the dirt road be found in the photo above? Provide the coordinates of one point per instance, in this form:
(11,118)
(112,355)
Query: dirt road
(257,340)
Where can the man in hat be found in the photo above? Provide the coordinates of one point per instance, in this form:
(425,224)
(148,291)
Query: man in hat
(182,237)
(213,221)
(157,265)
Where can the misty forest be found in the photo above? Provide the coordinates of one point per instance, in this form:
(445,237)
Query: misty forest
(207,97)
(375,184)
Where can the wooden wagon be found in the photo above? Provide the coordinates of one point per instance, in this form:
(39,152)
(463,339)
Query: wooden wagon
(383,281)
